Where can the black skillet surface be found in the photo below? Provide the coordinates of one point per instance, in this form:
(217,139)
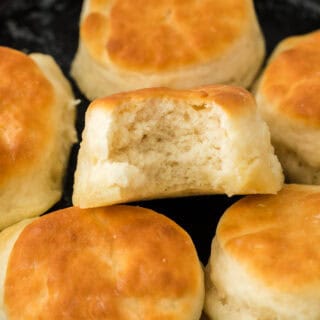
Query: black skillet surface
(51,26)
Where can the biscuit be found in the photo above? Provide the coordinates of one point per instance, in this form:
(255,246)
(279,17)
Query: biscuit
(159,142)
(116,263)
(37,114)
(265,260)
(288,98)
(127,45)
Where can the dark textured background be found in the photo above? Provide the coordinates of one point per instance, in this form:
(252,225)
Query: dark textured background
(51,26)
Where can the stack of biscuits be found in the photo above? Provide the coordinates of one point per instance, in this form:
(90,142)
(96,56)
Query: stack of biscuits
(170,115)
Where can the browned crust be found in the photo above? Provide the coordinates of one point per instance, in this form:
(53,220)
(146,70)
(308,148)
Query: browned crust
(26,100)
(274,237)
(100,263)
(164,35)
(232,99)
(291,81)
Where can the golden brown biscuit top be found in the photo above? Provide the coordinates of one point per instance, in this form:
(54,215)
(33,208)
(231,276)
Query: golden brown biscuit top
(291,81)
(106,263)
(163,35)
(276,236)
(233,100)
(26,99)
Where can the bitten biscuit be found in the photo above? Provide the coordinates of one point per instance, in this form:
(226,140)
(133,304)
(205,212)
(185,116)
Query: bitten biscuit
(127,45)
(288,97)
(115,263)
(159,142)
(265,258)
(37,114)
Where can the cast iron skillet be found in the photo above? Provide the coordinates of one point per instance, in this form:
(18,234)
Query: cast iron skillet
(51,26)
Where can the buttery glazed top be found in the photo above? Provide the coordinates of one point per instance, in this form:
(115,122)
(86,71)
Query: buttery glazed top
(162,35)
(107,263)
(233,100)
(291,82)
(276,237)
(26,100)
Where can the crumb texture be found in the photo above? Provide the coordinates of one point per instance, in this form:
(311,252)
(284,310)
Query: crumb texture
(165,146)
